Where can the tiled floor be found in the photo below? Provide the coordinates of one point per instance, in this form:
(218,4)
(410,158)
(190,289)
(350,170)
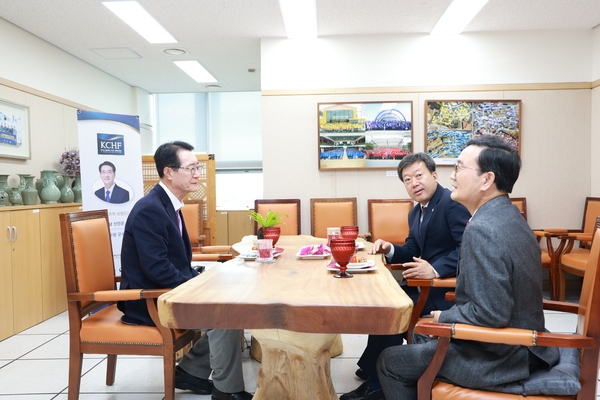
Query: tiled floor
(34,365)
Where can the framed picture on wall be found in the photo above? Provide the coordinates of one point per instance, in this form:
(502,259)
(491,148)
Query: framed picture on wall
(360,135)
(14,131)
(450,124)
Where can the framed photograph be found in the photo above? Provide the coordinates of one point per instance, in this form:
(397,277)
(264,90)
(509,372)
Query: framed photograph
(14,131)
(363,135)
(450,124)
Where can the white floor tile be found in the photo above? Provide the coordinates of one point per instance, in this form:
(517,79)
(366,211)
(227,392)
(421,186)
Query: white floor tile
(37,376)
(53,326)
(18,345)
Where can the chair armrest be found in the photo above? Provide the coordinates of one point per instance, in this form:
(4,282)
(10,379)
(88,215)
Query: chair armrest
(435,282)
(110,296)
(554,305)
(508,336)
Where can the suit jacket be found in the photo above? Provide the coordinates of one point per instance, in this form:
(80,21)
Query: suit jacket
(117,196)
(499,284)
(437,240)
(154,254)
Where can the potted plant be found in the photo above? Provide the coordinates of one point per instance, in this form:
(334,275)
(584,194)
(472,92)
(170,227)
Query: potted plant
(268,228)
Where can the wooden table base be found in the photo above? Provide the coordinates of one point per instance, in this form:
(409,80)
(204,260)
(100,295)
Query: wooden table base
(295,366)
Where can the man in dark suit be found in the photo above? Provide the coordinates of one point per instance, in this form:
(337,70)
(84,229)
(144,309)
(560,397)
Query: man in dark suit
(111,192)
(436,225)
(156,253)
(499,283)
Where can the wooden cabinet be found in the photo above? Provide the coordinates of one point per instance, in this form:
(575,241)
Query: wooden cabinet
(232,226)
(6,285)
(31,266)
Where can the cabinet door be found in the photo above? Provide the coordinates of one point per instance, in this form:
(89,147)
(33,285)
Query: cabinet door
(239,225)
(54,291)
(6,289)
(26,269)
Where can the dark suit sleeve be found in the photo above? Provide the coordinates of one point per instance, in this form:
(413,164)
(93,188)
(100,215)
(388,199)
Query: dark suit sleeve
(151,236)
(456,217)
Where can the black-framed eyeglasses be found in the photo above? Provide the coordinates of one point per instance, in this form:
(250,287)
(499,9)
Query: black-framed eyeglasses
(192,169)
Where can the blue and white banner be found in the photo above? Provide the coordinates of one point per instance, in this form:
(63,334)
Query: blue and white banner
(111,168)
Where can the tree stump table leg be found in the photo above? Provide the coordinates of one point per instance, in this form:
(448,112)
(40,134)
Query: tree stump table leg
(295,366)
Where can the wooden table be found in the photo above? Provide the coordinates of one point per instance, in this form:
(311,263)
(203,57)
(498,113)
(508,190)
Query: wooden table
(295,308)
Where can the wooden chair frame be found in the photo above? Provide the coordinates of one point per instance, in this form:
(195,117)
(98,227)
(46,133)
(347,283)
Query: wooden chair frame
(193,215)
(295,202)
(92,296)
(586,338)
(331,200)
(401,226)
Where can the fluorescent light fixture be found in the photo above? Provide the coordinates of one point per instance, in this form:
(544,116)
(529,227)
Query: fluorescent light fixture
(457,16)
(194,69)
(143,23)
(299,18)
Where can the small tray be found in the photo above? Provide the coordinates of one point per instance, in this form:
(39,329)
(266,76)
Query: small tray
(367,266)
(252,257)
(313,256)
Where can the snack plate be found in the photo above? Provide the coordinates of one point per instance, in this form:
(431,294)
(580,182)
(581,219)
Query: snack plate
(312,256)
(252,257)
(357,268)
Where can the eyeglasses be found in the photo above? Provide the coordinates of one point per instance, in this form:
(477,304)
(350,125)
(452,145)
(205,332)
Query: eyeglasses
(458,168)
(192,169)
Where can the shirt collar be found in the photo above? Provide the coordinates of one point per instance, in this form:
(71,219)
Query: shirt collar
(174,200)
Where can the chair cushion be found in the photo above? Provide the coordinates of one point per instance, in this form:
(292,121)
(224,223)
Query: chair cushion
(105,326)
(561,380)
(577,259)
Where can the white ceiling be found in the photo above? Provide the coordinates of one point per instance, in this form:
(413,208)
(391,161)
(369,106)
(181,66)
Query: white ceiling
(224,35)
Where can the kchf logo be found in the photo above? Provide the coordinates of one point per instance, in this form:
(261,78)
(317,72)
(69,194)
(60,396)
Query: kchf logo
(111,144)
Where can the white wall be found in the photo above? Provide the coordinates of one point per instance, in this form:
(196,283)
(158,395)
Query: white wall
(543,69)
(53,85)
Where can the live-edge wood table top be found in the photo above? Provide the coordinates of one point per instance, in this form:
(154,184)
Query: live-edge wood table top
(292,294)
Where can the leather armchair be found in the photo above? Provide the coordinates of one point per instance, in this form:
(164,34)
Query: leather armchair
(291,207)
(331,212)
(388,219)
(95,325)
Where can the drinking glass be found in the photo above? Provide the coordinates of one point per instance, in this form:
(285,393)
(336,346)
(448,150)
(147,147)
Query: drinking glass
(342,250)
(265,250)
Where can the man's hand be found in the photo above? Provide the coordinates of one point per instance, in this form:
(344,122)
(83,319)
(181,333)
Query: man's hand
(380,246)
(419,269)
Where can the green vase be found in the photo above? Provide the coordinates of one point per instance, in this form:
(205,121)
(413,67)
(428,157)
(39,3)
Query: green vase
(48,191)
(77,189)
(66,193)
(29,194)
(4,191)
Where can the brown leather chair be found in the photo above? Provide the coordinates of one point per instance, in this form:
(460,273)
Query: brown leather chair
(331,212)
(586,338)
(95,325)
(591,211)
(291,207)
(521,203)
(388,219)
(193,215)
(573,260)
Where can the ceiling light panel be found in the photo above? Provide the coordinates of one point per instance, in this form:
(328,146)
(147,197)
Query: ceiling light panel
(299,18)
(134,15)
(194,69)
(457,16)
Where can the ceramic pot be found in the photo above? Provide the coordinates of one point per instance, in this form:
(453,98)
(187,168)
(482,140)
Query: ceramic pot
(5,191)
(77,189)
(47,189)
(29,194)
(271,232)
(66,193)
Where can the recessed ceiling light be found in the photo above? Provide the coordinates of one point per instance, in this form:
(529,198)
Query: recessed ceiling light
(457,16)
(175,52)
(299,18)
(140,20)
(194,69)
(213,87)
(251,70)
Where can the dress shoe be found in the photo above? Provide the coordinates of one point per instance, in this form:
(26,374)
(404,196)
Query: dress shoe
(185,381)
(218,395)
(362,374)
(363,393)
